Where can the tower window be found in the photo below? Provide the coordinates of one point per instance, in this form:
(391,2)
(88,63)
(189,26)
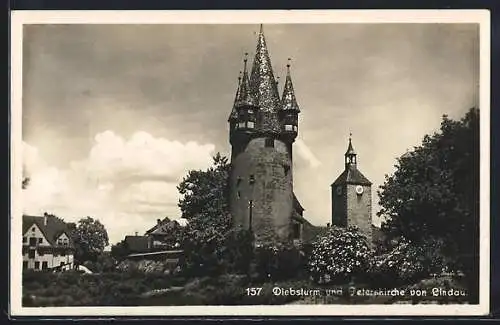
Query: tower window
(251,180)
(269,143)
(287,169)
(241,125)
(250,125)
(238,194)
(289,127)
(238,181)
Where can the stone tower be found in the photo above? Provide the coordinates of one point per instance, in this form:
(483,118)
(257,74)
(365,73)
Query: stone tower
(263,128)
(352,197)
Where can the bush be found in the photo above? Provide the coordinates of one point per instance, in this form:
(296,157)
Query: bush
(339,255)
(406,263)
(277,262)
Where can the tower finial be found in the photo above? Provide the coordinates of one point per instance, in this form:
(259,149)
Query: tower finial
(261,29)
(245,61)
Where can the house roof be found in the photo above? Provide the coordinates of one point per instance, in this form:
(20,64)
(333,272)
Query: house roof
(163,226)
(137,243)
(157,225)
(352,176)
(51,230)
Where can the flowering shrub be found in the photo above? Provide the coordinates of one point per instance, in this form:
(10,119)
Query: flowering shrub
(338,255)
(408,262)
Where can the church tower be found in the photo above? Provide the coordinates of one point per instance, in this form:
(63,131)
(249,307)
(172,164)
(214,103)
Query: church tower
(352,197)
(263,128)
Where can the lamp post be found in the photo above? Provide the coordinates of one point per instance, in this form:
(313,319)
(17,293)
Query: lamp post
(251,182)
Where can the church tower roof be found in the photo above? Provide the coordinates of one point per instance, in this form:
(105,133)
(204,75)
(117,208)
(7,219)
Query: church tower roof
(263,86)
(350,150)
(351,174)
(245,96)
(289,102)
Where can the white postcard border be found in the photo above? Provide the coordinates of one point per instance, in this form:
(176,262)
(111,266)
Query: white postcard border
(19,18)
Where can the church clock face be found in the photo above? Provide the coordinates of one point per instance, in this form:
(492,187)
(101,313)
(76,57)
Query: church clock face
(339,190)
(359,189)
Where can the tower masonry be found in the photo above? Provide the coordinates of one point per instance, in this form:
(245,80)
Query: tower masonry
(352,197)
(262,130)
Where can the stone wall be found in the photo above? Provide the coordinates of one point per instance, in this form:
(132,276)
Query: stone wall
(359,209)
(271,193)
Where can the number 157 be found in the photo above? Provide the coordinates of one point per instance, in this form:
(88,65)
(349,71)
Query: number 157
(253,291)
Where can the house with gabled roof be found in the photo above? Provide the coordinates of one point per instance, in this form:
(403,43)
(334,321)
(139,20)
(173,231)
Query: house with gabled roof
(46,242)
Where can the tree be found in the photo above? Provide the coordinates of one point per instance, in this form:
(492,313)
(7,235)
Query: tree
(204,196)
(120,250)
(433,196)
(208,240)
(90,237)
(339,254)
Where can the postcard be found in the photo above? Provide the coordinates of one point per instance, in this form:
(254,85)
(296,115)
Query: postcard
(249,163)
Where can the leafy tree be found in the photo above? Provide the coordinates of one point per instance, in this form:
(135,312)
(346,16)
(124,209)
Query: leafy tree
(90,238)
(120,250)
(433,196)
(204,197)
(339,254)
(210,245)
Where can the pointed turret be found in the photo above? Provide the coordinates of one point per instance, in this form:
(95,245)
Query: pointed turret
(289,102)
(350,155)
(263,86)
(234,112)
(245,96)
(289,109)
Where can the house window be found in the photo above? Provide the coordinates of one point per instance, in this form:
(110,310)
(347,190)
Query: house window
(31,254)
(40,253)
(25,240)
(61,264)
(33,229)
(44,265)
(269,143)
(63,253)
(37,265)
(40,240)
(25,265)
(32,241)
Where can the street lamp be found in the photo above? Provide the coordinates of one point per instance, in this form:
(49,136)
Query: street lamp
(251,182)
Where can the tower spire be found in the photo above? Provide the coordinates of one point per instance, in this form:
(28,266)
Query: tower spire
(263,85)
(245,96)
(234,113)
(350,154)
(289,102)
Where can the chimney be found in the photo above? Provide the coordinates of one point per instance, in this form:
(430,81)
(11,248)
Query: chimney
(45,219)
(136,233)
(158,221)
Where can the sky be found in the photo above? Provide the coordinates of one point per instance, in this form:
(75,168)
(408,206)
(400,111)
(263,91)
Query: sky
(115,115)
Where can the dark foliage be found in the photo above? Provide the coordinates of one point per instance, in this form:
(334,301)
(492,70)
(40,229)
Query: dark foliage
(433,196)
